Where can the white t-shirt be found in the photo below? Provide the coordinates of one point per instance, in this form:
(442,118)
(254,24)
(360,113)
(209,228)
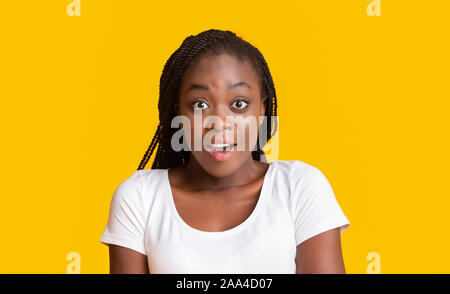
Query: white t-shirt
(296,203)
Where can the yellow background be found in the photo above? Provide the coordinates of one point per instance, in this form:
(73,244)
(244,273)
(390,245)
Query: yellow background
(363,98)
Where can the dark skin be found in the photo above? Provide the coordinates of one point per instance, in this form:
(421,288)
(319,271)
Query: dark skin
(216,196)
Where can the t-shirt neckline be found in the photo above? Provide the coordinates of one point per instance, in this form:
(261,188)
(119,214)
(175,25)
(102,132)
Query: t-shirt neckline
(235,229)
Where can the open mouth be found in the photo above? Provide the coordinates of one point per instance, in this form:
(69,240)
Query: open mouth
(221,152)
(220,147)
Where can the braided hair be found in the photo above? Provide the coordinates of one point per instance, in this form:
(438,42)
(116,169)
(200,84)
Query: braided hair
(207,43)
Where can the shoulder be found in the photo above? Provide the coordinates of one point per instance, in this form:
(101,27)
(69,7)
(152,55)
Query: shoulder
(296,169)
(312,202)
(151,179)
(148,174)
(301,177)
(136,185)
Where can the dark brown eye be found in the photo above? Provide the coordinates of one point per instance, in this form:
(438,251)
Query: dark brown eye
(200,105)
(240,104)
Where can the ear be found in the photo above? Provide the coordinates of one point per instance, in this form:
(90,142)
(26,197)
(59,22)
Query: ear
(262,111)
(263,107)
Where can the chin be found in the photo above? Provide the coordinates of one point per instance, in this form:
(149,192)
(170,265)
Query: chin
(219,169)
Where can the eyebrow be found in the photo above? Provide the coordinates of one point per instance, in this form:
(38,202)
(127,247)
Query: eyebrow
(230,87)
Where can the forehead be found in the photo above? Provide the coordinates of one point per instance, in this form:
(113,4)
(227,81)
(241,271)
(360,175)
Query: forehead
(219,71)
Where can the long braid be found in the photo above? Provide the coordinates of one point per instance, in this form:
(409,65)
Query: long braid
(192,49)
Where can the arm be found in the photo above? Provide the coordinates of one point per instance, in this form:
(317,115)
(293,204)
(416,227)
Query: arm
(321,254)
(123,260)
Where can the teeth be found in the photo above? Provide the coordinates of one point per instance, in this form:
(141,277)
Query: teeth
(220,147)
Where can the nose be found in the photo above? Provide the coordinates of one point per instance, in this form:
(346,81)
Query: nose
(221,130)
(219,119)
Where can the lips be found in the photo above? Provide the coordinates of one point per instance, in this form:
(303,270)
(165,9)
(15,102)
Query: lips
(220,147)
(221,152)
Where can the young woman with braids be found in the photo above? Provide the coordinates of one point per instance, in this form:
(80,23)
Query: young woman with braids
(213,211)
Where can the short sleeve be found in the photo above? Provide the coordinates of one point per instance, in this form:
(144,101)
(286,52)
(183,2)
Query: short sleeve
(316,209)
(126,223)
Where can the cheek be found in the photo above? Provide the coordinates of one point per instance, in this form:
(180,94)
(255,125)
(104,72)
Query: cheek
(193,129)
(247,133)
(196,134)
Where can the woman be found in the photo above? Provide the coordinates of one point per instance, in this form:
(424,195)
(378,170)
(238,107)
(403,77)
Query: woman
(220,208)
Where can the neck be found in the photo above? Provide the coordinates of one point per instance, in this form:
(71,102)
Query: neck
(246,173)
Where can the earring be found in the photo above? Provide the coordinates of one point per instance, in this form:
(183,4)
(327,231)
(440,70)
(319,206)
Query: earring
(181,125)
